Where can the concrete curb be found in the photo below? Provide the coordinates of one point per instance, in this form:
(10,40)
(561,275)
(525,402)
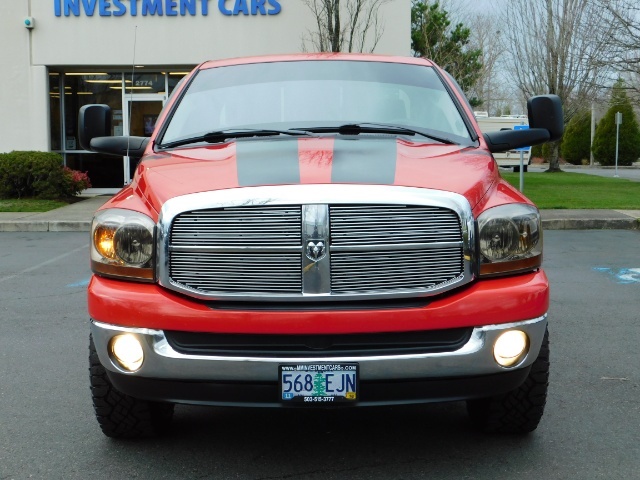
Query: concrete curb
(591,224)
(45,226)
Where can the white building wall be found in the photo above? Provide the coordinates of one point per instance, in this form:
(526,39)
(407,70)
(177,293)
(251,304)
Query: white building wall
(107,41)
(24,94)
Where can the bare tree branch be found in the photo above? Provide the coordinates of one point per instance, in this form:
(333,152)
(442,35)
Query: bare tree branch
(554,47)
(360,33)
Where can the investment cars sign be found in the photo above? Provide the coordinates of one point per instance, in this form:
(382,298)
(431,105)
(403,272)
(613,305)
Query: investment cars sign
(167,8)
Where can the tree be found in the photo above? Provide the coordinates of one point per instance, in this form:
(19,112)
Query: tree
(554,48)
(345,26)
(576,142)
(433,37)
(624,37)
(489,88)
(604,143)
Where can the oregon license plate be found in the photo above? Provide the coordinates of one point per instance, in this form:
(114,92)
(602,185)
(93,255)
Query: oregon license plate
(319,383)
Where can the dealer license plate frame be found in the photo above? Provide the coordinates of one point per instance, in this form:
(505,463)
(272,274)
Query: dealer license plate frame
(294,383)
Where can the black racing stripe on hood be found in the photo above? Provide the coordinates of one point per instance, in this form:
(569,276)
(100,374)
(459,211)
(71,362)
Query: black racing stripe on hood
(267,162)
(364,161)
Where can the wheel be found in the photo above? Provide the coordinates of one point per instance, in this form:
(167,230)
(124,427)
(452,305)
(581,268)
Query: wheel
(525,168)
(120,415)
(520,410)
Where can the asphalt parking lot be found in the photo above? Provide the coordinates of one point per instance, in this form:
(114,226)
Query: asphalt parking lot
(589,431)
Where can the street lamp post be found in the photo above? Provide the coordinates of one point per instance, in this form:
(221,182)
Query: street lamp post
(618,122)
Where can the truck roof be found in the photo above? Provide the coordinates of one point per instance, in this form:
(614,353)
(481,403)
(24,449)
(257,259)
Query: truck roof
(361,57)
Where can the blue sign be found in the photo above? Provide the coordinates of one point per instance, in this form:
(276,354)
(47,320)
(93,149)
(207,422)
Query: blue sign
(522,127)
(167,8)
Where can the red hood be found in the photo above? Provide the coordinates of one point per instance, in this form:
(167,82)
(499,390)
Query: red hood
(382,161)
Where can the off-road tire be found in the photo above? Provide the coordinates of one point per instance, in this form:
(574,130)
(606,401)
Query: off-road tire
(520,410)
(120,415)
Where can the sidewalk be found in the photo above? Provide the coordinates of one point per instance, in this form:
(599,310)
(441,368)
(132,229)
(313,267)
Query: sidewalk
(77,218)
(71,218)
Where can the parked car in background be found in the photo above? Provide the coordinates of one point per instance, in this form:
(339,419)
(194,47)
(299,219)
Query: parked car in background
(509,158)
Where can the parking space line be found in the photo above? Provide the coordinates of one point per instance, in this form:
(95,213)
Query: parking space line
(43,264)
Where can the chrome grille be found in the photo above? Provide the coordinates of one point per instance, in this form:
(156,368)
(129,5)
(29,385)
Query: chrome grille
(392,224)
(268,226)
(394,270)
(232,272)
(203,258)
(262,252)
(407,248)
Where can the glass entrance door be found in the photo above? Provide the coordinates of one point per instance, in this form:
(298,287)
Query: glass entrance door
(140,116)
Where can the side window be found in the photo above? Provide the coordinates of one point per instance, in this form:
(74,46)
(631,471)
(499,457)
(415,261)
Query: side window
(466,101)
(459,89)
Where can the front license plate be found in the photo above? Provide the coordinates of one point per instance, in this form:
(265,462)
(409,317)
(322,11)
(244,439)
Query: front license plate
(319,383)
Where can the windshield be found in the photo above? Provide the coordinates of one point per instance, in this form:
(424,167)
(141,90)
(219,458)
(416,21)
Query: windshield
(289,95)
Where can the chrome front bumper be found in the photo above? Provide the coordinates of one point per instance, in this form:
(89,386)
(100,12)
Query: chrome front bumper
(161,362)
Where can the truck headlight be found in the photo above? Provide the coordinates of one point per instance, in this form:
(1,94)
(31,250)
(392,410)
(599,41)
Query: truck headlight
(510,239)
(122,244)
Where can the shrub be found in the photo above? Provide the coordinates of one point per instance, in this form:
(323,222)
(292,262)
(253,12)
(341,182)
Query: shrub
(38,174)
(74,182)
(604,143)
(542,151)
(536,151)
(576,142)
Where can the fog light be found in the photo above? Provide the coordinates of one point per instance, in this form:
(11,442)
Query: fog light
(127,351)
(511,347)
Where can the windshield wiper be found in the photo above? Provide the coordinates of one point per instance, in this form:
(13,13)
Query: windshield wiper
(222,135)
(367,127)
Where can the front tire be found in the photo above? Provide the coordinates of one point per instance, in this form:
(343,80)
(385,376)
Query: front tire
(120,415)
(520,410)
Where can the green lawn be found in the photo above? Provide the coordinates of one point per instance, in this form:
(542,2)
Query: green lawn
(578,190)
(29,205)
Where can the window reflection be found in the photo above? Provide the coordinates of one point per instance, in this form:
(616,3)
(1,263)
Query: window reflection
(80,90)
(68,91)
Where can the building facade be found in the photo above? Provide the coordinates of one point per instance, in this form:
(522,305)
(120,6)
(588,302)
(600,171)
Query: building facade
(59,55)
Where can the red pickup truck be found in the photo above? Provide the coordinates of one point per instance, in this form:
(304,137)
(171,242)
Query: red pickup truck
(318,231)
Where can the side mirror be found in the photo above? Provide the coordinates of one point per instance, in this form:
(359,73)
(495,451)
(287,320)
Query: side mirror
(93,121)
(94,134)
(546,124)
(545,111)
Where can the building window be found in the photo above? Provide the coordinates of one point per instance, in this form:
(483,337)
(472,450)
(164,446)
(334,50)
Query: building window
(68,91)
(55,88)
(84,89)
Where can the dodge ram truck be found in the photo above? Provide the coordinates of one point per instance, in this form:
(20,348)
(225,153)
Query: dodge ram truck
(319,231)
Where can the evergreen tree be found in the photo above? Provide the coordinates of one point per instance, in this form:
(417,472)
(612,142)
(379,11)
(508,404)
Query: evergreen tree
(433,37)
(604,143)
(576,142)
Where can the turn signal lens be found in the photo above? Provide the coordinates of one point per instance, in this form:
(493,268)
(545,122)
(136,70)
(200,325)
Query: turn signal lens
(510,348)
(127,351)
(103,240)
